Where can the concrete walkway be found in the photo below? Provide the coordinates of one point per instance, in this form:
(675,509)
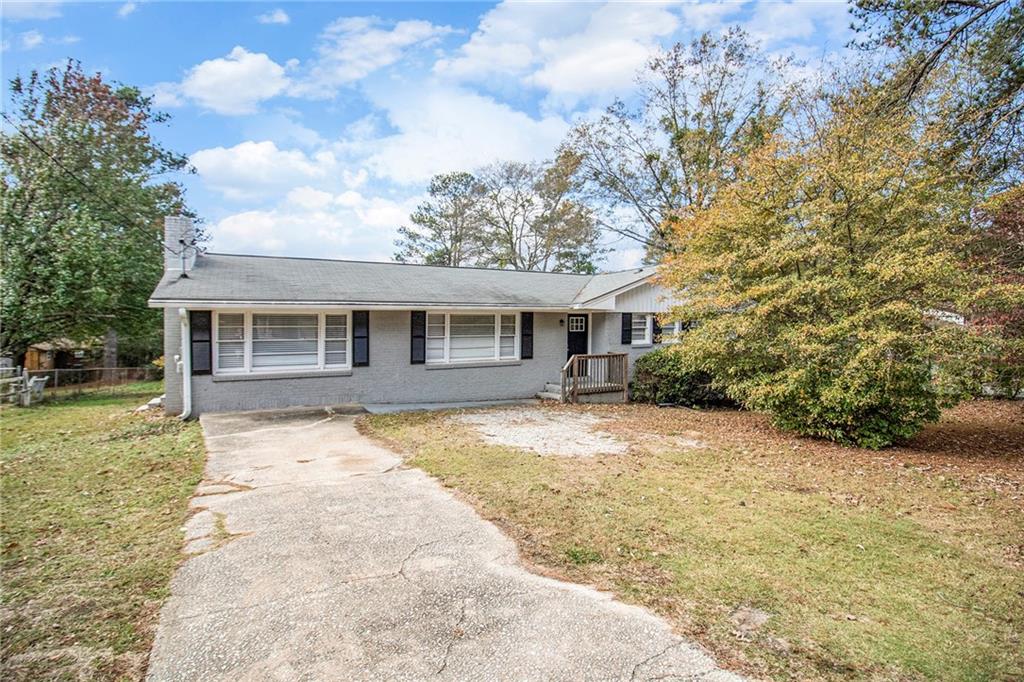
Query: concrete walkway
(316,556)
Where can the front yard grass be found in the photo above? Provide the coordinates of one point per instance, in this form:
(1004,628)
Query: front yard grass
(901,564)
(94,497)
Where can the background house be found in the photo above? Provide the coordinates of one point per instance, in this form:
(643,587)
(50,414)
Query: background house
(63,354)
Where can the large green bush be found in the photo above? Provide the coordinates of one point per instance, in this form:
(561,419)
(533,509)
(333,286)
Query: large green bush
(851,400)
(825,277)
(661,377)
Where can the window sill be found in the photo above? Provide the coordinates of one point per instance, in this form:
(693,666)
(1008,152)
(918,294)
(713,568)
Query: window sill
(262,376)
(471,365)
(642,345)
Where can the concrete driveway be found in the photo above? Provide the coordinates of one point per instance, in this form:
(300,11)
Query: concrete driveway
(315,555)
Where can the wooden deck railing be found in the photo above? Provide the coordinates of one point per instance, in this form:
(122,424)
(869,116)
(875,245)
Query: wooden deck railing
(585,374)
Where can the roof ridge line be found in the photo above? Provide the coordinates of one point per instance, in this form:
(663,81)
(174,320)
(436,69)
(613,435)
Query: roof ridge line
(417,265)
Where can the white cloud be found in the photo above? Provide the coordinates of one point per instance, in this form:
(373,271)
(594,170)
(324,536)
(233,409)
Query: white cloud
(250,169)
(569,51)
(414,133)
(588,51)
(309,198)
(806,64)
(586,68)
(505,43)
(309,193)
(773,23)
(249,232)
(166,95)
(380,213)
(235,84)
(313,222)
(277,16)
(19,11)
(351,48)
(443,129)
(700,16)
(354,179)
(282,126)
(31,39)
(126,9)
(620,258)
(605,56)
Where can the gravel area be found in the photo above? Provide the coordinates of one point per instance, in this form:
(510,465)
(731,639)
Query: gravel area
(545,432)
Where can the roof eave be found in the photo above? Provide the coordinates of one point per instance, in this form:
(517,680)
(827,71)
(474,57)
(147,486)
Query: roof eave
(366,305)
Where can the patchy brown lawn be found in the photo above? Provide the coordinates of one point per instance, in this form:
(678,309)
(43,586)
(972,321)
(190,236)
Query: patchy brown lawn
(94,497)
(788,557)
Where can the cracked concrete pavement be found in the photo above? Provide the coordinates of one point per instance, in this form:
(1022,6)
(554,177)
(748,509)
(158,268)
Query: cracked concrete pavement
(313,555)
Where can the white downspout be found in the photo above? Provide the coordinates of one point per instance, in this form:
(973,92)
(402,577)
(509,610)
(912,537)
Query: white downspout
(185,365)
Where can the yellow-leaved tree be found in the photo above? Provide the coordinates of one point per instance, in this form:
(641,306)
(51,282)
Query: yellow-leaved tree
(828,278)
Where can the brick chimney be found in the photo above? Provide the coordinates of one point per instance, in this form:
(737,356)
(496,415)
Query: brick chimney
(179,236)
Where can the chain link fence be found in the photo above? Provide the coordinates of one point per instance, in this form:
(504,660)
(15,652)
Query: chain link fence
(63,384)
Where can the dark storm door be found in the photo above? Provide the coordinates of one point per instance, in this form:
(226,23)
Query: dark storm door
(577,335)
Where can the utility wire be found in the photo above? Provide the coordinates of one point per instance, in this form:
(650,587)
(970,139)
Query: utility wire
(129,221)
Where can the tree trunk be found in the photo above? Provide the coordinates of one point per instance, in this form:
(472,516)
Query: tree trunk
(110,356)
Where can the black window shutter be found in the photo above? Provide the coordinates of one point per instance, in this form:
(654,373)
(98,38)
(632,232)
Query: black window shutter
(200,326)
(418,349)
(656,329)
(627,328)
(360,338)
(526,336)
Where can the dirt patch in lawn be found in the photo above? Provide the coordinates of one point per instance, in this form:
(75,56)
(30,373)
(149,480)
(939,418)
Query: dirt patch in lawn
(544,431)
(788,557)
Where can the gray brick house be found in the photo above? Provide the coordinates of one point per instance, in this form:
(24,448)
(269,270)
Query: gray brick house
(255,332)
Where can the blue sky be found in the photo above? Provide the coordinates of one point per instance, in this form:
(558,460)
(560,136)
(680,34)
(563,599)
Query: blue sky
(314,127)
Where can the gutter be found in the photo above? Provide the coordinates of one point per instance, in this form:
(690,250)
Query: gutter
(197,303)
(184,365)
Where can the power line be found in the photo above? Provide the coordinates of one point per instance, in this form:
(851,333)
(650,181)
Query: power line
(129,221)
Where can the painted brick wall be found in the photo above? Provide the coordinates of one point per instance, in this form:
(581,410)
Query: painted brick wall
(172,347)
(608,338)
(390,378)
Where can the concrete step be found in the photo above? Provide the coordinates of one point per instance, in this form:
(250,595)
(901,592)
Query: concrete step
(548,395)
(553,388)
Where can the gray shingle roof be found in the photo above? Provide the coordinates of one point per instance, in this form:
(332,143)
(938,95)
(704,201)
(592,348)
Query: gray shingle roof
(273,280)
(605,283)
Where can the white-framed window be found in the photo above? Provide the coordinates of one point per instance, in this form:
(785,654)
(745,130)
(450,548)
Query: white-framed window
(336,340)
(230,332)
(642,329)
(437,337)
(269,341)
(672,331)
(509,338)
(472,337)
(577,323)
(285,340)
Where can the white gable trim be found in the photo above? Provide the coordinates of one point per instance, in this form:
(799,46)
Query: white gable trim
(643,296)
(601,302)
